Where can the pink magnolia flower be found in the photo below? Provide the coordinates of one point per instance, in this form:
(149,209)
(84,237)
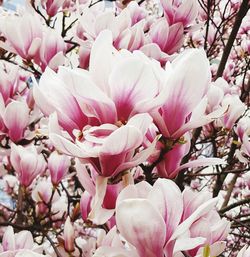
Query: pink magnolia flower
(113,91)
(93,22)
(43,194)
(173,35)
(14,118)
(243,131)
(51,51)
(184,11)
(182,95)
(8,81)
(17,244)
(23,35)
(99,199)
(27,163)
(235,110)
(98,145)
(69,236)
(170,165)
(52,6)
(143,211)
(209,226)
(58,166)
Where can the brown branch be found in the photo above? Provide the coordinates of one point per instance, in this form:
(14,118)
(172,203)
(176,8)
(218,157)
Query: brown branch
(240,15)
(234,205)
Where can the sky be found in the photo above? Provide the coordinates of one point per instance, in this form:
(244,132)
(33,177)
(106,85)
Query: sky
(12,4)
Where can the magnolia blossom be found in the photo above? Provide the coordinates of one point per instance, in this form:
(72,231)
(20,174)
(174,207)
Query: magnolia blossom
(102,98)
(58,166)
(173,39)
(23,34)
(20,244)
(68,236)
(210,226)
(184,11)
(243,131)
(14,118)
(99,199)
(8,81)
(52,6)
(27,163)
(163,205)
(51,51)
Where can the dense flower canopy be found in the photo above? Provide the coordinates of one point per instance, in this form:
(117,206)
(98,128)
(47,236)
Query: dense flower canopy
(124,128)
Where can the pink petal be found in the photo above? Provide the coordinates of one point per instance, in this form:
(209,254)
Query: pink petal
(132,217)
(16,119)
(101,59)
(99,215)
(8,241)
(61,143)
(166,197)
(85,178)
(112,154)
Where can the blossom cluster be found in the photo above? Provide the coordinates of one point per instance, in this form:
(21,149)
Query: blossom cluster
(124,130)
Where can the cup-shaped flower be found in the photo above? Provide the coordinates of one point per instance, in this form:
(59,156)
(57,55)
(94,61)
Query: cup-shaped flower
(52,6)
(16,244)
(110,149)
(209,226)
(27,163)
(51,51)
(23,34)
(143,211)
(14,118)
(8,81)
(58,166)
(184,11)
(117,86)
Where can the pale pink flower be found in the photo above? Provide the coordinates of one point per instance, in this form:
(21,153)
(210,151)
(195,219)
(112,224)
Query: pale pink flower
(8,81)
(173,35)
(162,205)
(51,51)
(69,236)
(235,109)
(58,166)
(27,163)
(23,35)
(18,244)
(209,226)
(14,118)
(184,11)
(52,6)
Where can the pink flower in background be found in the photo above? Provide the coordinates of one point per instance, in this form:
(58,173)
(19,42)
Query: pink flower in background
(58,166)
(52,6)
(14,118)
(27,163)
(69,237)
(23,35)
(209,226)
(51,51)
(173,35)
(184,11)
(17,244)
(8,81)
